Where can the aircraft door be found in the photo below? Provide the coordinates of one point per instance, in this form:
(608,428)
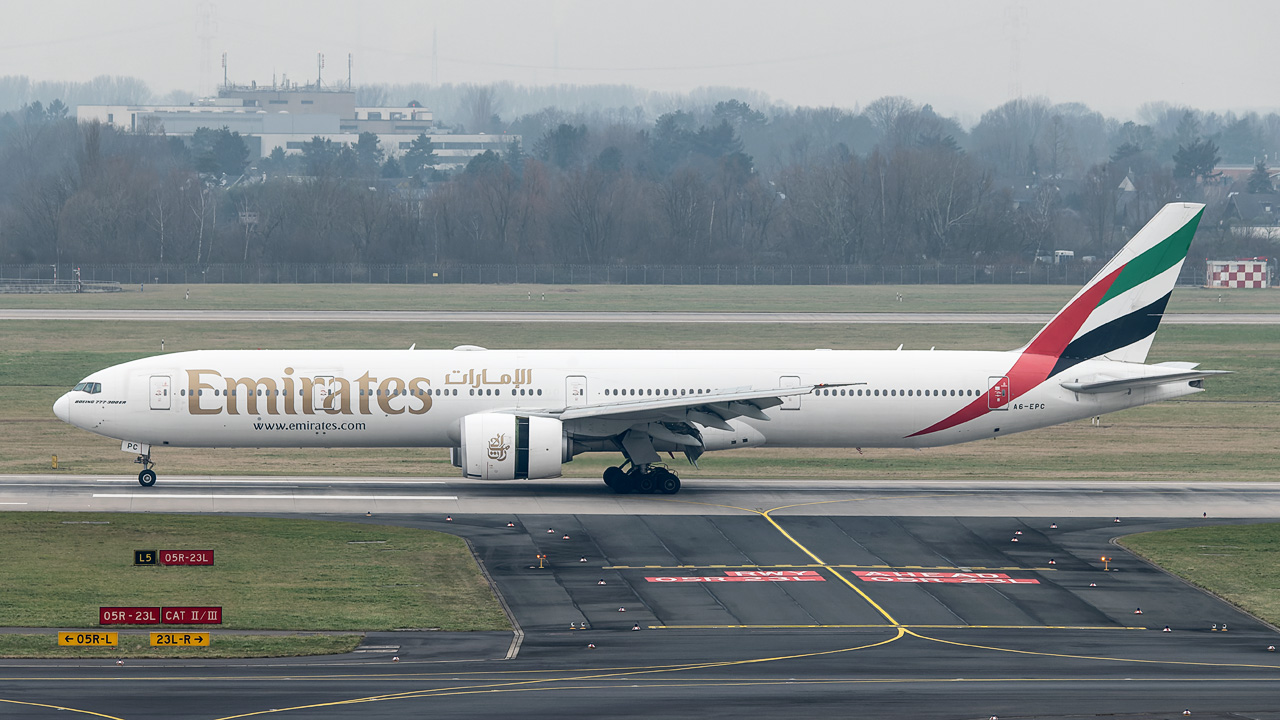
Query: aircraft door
(791,402)
(322,392)
(160,389)
(998,395)
(575,390)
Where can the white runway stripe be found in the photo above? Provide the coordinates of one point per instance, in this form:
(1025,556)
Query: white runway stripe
(185,496)
(279,481)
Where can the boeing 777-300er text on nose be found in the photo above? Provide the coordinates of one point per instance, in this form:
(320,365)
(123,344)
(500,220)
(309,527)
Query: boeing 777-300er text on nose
(515,414)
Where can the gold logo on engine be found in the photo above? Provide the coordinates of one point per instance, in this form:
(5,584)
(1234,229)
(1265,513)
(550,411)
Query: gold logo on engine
(498,447)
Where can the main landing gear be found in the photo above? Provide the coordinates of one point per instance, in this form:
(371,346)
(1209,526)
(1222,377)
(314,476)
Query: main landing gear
(645,479)
(147,477)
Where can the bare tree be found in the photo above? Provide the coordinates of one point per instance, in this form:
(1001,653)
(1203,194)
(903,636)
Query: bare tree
(886,115)
(590,200)
(160,212)
(480,106)
(203,204)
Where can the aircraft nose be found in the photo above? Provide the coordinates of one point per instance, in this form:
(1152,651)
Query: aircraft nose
(62,408)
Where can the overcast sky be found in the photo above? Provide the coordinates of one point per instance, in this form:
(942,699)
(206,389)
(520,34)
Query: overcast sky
(963,56)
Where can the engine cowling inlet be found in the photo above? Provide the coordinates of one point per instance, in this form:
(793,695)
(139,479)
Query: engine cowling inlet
(501,446)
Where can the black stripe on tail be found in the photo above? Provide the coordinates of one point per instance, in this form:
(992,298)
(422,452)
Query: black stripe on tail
(1121,332)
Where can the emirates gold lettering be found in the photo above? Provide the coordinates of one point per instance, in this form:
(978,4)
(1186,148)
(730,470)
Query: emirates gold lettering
(289,392)
(211,393)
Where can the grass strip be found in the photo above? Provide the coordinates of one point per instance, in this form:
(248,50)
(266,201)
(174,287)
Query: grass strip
(270,574)
(623,298)
(1240,563)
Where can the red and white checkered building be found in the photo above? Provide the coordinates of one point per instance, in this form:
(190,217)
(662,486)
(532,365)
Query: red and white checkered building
(1242,273)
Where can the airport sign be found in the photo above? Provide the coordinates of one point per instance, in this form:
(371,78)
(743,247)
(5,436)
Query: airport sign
(186,557)
(957,578)
(746,576)
(144,557)
(192,615)
(160,639)
(89,639)
(128,616)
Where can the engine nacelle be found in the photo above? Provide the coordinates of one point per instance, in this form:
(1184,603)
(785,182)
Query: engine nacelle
(499,446)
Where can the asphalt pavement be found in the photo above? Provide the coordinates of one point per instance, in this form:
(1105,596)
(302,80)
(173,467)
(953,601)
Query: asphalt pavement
(756,613)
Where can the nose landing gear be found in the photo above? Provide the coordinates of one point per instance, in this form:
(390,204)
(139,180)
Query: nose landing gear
(147,477)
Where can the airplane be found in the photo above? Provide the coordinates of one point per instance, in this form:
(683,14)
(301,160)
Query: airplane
(523,414)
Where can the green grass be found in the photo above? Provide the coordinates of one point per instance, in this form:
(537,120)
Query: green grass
(220,646)
(269,574)
(1238,562)
(1229,429)
(707,298)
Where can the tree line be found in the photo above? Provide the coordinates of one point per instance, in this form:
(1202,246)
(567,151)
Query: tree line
(711,183)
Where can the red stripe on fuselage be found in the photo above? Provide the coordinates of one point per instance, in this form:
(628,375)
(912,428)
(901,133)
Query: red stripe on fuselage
(1036,362)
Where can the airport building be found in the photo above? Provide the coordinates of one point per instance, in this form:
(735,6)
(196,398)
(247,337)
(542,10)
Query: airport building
(289,117)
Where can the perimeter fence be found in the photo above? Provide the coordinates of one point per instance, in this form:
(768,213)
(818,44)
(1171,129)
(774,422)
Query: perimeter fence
(422,273)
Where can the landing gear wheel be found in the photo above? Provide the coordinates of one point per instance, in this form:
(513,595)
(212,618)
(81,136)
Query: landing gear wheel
(647,483)
(617,480)
(668,483)
(147,478)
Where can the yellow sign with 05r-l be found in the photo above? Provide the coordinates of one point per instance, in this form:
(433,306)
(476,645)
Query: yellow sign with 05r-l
(89,639)
(180,639)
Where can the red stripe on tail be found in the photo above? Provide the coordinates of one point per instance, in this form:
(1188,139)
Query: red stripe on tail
(1036,362)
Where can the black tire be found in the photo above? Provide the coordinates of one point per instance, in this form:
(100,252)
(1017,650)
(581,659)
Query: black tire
(147,478)
(647,483)
(613,475)
(668,483)
(617,480)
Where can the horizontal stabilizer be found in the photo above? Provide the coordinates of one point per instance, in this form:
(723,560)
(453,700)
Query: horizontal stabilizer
(1105,384)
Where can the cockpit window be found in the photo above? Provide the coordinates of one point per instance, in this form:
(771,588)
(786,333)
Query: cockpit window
(89,387)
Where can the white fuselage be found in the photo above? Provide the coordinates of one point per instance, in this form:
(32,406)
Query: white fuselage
(417,398)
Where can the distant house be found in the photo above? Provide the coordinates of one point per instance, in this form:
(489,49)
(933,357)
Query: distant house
(1254,215)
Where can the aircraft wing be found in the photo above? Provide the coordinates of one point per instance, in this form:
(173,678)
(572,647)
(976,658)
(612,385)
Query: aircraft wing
(724,405)
(671,422)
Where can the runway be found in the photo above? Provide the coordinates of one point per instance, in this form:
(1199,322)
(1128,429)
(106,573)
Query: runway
(874,600)
(396,496)
(424,316)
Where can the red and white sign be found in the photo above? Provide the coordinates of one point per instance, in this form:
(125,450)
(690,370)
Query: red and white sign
(186,557)
(128,616)
(192,615)
(958,578)
(747,576)
(773,573)
(998,395)
(1243,273)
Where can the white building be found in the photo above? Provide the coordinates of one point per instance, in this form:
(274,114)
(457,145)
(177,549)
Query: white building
(289,118)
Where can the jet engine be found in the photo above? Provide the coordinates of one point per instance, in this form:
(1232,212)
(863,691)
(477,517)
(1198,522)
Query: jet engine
(499,446)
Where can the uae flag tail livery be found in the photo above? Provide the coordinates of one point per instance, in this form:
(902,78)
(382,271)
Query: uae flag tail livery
(512,414)
(1113,318)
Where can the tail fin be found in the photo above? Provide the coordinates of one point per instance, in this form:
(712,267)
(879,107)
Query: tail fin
(1117,312)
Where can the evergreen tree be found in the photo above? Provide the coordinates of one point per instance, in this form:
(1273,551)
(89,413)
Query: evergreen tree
(368,154)
(421,154)
(1197,161)
(1260,179)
